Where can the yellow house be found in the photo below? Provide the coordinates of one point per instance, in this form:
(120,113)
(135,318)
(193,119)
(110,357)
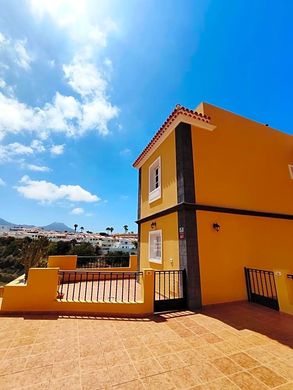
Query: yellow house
(215,196)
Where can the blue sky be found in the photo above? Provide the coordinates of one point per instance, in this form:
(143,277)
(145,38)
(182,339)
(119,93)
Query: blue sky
(85,84)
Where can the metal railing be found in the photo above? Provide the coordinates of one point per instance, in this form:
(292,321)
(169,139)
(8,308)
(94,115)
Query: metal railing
(169,284)
(103,261)
(95,286)
(261,287)
(170,290)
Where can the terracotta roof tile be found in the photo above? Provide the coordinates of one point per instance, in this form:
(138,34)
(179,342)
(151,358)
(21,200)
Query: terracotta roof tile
(178,110)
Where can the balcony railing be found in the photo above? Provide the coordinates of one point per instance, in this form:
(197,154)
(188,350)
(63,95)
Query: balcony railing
(95,286)
(103,261)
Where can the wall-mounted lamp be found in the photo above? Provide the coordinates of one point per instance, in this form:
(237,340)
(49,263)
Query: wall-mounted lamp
(153,225)
(216,226)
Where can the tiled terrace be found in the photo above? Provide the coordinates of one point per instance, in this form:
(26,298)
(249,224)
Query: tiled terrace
(226,347)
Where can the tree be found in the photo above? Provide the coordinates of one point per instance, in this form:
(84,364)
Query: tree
(59,248)
(125,227)
(108,229)
(75,227)
(82,229)
(34,252)
(111,229)
(83,249)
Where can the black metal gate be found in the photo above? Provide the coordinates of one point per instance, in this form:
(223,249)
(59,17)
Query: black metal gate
(170,290)
(261,287)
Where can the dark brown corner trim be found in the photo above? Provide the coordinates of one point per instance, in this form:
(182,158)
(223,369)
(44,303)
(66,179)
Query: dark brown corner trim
(188,245)
(139,195)
(184,164)
(138,216)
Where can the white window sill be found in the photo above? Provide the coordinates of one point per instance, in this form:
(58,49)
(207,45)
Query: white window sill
(155,195)
(157,261)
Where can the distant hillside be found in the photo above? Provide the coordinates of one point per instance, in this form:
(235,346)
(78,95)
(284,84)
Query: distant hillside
(5,223)
(58,227)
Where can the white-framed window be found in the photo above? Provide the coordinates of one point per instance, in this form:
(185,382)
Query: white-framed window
(155,246)
(155,180)
(291,170)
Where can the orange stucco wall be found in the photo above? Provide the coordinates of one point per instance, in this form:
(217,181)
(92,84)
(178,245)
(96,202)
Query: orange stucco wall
(168,178)
(255,242)
(170,245)
(39,294)
(64,262)
(242,164)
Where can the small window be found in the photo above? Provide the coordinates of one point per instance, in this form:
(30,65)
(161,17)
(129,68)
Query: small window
(291,170)
(155,180)
(155,246)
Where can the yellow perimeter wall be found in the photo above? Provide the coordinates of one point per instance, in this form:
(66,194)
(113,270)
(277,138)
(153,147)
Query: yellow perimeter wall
(242,164)
(255,242)
(40,295)
(169,226)
(168,199)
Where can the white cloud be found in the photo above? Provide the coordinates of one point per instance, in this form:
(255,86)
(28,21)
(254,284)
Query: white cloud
(16,51)
(2,182)
(65,114)
(10,151)
(8,89)
(2,83)
(57,149)
(77,211)
(38,146)
(77,17)
(7,152)
(96,109)
(2,39)
(35,168)
(15,152)
(64,13)
(88,108)
(47,192)
(23,59)
(14,116)
(84,78)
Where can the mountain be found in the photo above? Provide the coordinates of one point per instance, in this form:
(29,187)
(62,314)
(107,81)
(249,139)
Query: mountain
(58,227)
(5,223)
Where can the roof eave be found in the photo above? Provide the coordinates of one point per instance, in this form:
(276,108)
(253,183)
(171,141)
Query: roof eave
(198,122)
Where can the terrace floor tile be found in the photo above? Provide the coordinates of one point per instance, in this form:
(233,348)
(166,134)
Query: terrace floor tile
(226,347)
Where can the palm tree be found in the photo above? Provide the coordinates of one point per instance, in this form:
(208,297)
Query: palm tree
(82,229)
(125,227)
(111,229)
(75,227)
(108,229)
